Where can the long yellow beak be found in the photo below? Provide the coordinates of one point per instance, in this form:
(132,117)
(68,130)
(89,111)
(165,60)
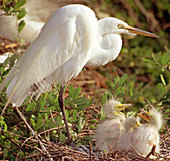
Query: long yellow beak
(122,106)
(138,31)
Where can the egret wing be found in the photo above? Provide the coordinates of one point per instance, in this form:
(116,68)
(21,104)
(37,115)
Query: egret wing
(61,40)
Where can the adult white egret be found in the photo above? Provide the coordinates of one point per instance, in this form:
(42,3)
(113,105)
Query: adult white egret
(71,39)
(38,13)
(109,131)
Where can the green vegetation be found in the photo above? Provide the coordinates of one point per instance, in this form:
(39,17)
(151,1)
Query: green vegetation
(140,72)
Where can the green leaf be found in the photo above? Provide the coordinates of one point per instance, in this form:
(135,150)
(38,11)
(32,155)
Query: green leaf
(160,90)
(71,91)
(165,58)
(136,95)
(13,59)
(33,120)
(77,92)
(102,116)
(20,4)
(153,56)
(123,79)
(131,91)
(112,85)
(80,102)
(163,80)
(75,115)
(58,119)
(81,125)
(50,123)
(104,98)
(147,60)
(21,14)
(39,123)
(92,127)
(117,91)
(41,103)
(52,108)
(67,114)
(62,138)
(21,26)
(31,106)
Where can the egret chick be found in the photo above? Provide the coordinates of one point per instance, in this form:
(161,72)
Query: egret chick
(125,141)
(147,135)
(109,131)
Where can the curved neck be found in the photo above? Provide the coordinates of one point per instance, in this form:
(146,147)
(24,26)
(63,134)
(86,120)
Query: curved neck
(106,49)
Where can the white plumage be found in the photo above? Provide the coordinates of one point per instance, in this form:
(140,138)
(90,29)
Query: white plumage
(109,132)
(147,135)
(71,39)
(38,13)
(121,133)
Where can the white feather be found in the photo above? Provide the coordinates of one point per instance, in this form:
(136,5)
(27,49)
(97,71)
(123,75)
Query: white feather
(71,39)
(53,56)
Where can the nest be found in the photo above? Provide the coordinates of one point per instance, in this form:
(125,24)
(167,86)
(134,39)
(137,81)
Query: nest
(50,151)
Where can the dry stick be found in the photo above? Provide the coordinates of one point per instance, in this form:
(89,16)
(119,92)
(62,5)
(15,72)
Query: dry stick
(8,149)
(149,16)
(11,133)
(11,140)
(149,103)
(131,12)
(25,121)
(90,151)
(152,151)
(52,118)
(29,127)
(138,154)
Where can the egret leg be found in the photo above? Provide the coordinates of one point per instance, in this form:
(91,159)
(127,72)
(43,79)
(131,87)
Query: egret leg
(61,104)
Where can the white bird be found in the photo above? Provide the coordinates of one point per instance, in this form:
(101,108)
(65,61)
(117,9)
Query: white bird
(147,135)
(38,13)
(71,39)
(130,125)
(121,133)
(109,131)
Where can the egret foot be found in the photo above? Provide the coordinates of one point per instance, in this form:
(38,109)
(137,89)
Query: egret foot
(61,104)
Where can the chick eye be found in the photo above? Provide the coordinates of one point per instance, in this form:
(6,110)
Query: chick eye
(120,26)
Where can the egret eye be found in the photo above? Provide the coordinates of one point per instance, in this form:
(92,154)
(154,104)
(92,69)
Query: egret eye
(120,26)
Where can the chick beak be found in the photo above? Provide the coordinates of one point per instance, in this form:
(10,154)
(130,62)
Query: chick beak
(138,31)
(137,124)
(146,118)
(121,107)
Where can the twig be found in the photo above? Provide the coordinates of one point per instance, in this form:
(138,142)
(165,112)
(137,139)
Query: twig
(25,121)
(8,149)
(131,12)
(90,151)
(33,133)
(52,118)
(136,151)
(152,151)
(154,25)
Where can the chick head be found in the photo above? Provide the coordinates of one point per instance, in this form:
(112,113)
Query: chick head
(113,108)
(131,123)
(154,118)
